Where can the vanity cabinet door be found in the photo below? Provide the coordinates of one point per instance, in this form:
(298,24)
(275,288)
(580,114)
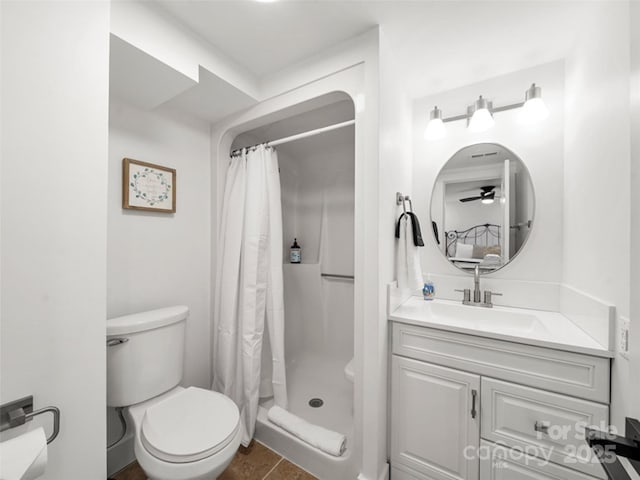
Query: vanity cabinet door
(435,420)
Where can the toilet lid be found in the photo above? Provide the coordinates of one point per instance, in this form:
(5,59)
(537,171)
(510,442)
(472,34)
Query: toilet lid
(189,426)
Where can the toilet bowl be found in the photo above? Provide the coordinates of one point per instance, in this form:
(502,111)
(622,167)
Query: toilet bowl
(179,433)
(185,434)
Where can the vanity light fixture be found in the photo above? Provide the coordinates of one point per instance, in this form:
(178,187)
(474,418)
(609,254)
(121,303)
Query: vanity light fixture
(479,116)
(435,128)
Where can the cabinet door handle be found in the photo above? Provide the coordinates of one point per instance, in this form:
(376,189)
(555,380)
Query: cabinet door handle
(474,394)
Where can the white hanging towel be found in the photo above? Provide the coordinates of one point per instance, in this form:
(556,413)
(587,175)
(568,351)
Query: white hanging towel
(328,441)
(408,271)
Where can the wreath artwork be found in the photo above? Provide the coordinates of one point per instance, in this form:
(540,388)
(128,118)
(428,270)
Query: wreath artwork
(142,180)
(148,187)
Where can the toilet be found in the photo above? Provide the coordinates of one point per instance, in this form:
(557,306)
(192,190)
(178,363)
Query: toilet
(179,433)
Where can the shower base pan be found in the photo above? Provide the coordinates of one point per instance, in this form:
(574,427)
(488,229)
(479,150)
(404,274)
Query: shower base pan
(313,377)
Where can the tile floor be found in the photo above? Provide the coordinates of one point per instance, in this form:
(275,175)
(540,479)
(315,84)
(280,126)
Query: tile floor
(255,462)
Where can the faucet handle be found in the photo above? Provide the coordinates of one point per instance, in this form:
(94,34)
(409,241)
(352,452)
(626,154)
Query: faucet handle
(466,294)
(488,294)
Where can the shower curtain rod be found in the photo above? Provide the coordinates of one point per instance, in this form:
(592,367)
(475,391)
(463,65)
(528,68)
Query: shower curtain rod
(298,136)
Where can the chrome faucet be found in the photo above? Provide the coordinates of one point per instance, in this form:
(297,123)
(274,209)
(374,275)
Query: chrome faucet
(476,284)
(477,293)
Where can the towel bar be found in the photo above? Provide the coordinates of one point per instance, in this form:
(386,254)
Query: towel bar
(18,412)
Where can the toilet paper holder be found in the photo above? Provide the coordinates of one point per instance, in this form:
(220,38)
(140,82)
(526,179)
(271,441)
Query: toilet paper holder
(18,412)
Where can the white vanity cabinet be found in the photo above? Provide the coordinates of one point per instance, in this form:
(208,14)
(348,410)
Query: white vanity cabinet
(477,408)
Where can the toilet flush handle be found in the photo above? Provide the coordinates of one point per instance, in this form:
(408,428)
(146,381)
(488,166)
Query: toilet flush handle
(112,342)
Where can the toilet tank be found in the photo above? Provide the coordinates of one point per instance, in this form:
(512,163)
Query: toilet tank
(145,354)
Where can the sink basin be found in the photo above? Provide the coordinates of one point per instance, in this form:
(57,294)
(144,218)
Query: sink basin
(506,321)
(528,326)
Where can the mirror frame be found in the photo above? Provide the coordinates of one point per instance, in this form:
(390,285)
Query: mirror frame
(533,211)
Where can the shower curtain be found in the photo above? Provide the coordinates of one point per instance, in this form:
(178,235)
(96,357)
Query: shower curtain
(249,285)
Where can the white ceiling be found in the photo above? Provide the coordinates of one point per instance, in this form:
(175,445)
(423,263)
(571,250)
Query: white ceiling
(439,44)
(267,37)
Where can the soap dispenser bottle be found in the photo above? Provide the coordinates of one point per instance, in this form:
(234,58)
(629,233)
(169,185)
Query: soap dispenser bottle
(429,290)
(295,255)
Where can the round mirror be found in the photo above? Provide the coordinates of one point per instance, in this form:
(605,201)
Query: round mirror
(482,207)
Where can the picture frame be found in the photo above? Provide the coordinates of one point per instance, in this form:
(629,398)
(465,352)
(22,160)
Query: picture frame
(148,187)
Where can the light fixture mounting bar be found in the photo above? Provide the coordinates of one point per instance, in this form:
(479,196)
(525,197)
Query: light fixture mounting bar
(466,116)
(455,119)
(513,106)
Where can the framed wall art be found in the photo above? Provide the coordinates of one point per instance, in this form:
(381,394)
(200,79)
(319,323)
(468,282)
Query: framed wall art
(149,187)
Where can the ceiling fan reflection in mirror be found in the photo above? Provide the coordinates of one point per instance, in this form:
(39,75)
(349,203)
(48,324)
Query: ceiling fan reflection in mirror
(487,195)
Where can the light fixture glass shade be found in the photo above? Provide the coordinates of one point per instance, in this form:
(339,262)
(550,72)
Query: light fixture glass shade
(481,119)
(435,128)
(534,109)
(487,201)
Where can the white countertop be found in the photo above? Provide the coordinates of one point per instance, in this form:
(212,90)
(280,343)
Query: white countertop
(530,327)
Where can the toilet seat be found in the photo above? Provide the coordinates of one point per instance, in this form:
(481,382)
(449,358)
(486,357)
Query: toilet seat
(189,426)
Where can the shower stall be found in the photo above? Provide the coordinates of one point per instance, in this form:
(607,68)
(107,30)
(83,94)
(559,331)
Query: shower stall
(317,179)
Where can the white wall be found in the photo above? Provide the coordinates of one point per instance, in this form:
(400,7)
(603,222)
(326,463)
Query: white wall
(634,390)
(539,146)
(158,259)
(154,31)
(596,227)
(54,208)
(395,175)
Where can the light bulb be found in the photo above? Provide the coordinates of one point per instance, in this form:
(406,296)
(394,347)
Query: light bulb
(534,110)
(435,128)
(481,119)
(487,201)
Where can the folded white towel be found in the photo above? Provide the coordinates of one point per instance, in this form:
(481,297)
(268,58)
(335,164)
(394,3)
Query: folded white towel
(409,272)
(328,441)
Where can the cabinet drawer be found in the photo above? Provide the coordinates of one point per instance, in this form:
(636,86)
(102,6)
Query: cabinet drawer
(544,424)
(500,463)
(583,376)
